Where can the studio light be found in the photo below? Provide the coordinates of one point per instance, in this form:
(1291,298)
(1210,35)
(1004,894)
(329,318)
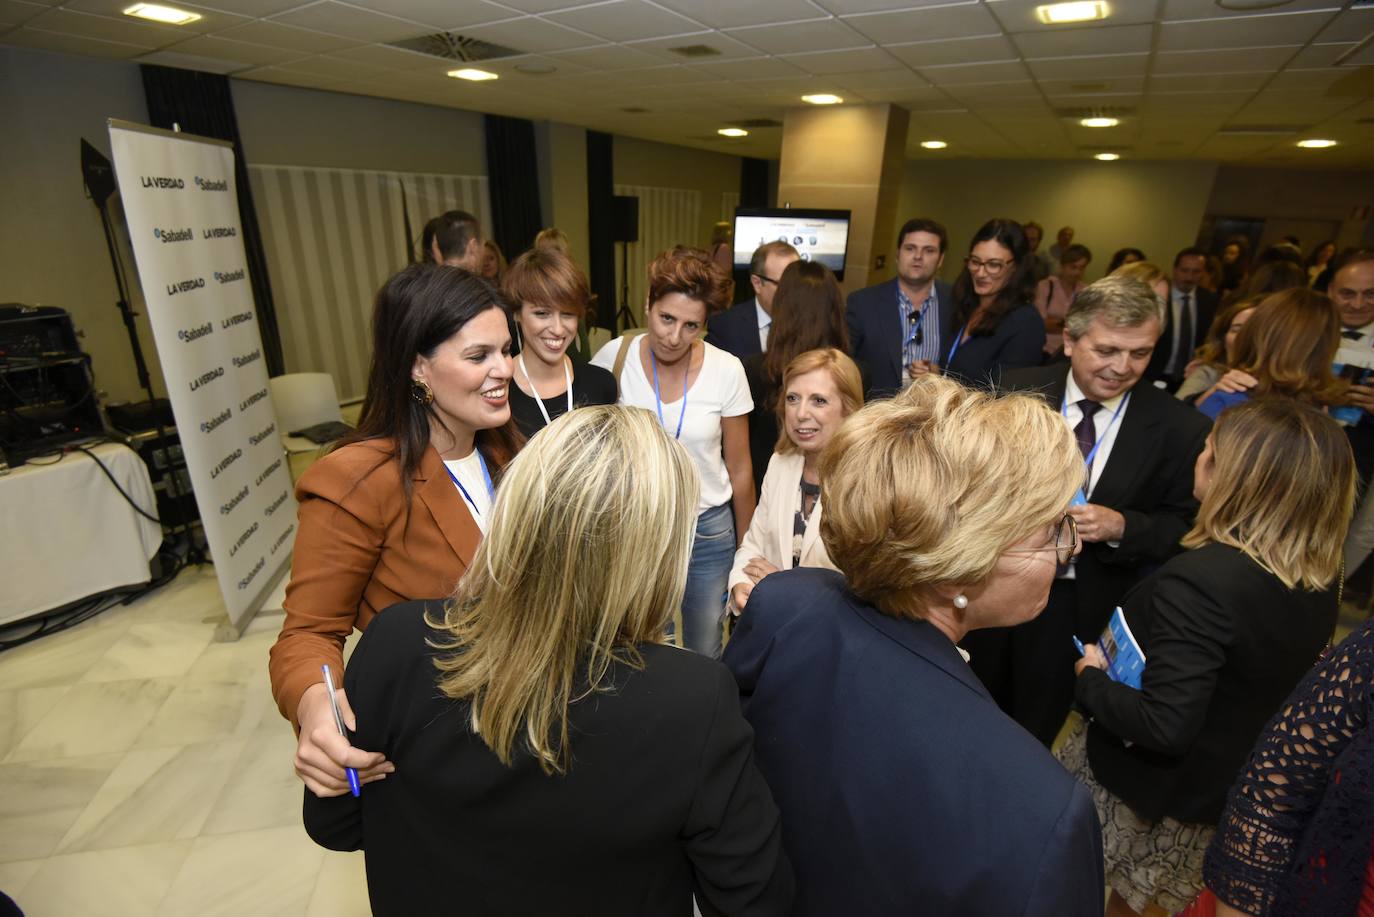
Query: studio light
(473,74)
(1099,122)
(823,98)
(732,132)
(1061,13)
(166,15)
(934,144)
(1107,157)
(1316,143)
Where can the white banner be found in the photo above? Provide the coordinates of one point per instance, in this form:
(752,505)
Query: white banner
(181,204)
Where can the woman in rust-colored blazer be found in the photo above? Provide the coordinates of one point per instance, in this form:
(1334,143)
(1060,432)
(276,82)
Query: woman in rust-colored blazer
(396,512)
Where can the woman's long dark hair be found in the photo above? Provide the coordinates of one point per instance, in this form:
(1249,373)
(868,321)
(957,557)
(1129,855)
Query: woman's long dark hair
(1019,289)
(808,314)
(416,311)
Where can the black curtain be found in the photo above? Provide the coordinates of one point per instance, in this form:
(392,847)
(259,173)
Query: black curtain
(601,225)
(513,181)
(200,103)
(753,182)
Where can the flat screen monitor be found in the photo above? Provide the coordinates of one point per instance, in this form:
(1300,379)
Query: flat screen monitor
(817,235)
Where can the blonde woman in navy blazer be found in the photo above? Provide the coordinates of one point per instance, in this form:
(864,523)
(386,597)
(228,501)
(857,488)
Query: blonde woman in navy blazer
(820,388)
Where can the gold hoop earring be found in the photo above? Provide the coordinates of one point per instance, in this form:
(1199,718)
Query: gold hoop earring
(421,392)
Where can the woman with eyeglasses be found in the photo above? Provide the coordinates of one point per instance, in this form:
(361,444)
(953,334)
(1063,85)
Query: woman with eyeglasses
(1227,629)
(994,300)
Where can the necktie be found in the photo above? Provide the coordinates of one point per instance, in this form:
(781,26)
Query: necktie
(1185,334)
(1351,334)
(1086,431)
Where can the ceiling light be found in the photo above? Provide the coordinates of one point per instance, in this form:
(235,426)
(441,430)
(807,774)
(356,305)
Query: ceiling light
(1060,13)
(823,98)
(164,14)
(471,73)
(732,132)
(1099,122)
(1107,157)
(1316,143)
(934,144)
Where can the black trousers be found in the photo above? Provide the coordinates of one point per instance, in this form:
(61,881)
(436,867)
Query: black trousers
(1028,669)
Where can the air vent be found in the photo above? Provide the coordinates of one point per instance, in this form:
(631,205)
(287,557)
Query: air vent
(455,47)
(696,51)
(635,110)
(1259,130)
(1096,111)
(757,123)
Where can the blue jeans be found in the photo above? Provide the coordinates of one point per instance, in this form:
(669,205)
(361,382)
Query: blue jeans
(708,574)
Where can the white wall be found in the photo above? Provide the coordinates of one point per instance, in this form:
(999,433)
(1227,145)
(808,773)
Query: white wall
(1153,206)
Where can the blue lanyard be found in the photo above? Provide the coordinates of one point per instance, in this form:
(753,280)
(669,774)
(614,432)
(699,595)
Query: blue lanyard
(658,399)
(1088,461)
(486,477)
(958,339)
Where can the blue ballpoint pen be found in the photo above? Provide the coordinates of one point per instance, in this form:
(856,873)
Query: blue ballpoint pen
(1078,645)
(354,787)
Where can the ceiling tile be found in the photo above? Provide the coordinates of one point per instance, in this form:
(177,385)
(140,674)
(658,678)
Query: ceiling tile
(729,48)
(531,34)
(800,37)
(234,51)
(900,79)
(963,21)
(337,68)
(192,62)
(538,6)
(1210,9)
(1126,39)
(971,92)
(440,15)
(1203,82)
(350,22)
(725,14)
(71,44)
(1365,57)
(1324,55)
(1089,68)
(1247,60)
(291,38)
(253,9)
(1319,81)
(1119,86)
(660,76)
(124,29)
(954,51)
(1352,25)
(17,12)
(1005,72)
(920,98)
(1240,32)
(758,68)
(390,58)
(625,20)
(607,57)
(210,21)
(844,61)
(1019,16)
(291,78)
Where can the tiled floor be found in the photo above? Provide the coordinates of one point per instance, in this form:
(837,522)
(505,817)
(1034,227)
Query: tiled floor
(145,770)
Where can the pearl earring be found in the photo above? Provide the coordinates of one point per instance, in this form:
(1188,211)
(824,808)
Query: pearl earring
(961,601)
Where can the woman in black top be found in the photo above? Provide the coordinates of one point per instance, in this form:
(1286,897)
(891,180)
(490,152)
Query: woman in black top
(1227,630)
(552,755)
(808,311)
(994,301)
(549,296)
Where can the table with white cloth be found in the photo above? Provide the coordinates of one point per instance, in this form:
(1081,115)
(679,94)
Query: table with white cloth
(67,534)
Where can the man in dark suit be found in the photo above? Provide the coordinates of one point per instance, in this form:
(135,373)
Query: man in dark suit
(1139,447)
(904,327)
(742,329)
(1187,317)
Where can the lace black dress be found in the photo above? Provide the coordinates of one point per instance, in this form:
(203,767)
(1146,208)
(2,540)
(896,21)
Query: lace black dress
(1296,833)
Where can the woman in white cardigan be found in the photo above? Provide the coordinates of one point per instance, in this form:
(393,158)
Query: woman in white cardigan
(820,388)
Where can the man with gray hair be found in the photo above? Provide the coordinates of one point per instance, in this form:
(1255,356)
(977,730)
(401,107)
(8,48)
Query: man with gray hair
(1139,447)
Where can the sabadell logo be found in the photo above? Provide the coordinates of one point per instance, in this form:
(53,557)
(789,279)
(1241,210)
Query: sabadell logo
(173,235)
(212,184)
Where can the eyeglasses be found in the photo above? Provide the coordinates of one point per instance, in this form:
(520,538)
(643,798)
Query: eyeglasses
(993,268)
(1065,542)
(766,279)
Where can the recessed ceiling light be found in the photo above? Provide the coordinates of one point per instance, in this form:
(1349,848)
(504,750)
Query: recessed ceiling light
(472,73)
(823,98)
(1060,13)
(732,132)
(1107,157)
(1099,122)
(934,144)
(164,14)
(1316,143)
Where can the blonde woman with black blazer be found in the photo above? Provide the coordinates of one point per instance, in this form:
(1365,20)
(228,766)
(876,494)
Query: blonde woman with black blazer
(820,388)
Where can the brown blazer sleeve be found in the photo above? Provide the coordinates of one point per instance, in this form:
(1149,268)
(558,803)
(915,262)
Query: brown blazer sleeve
(339,538)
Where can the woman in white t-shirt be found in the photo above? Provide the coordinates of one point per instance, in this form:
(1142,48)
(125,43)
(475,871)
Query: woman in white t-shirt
(701,398)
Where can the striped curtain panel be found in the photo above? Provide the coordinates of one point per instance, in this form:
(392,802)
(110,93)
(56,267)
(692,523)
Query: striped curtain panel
(333,237)
(667,217)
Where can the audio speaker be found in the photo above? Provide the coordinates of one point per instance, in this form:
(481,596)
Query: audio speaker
(625,219)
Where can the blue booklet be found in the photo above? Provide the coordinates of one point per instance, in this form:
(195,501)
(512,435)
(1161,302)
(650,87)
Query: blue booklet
(1125,658)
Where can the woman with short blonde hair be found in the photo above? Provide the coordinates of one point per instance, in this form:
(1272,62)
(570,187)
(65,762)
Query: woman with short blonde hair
(540,698)
(1226,630)
(894,769)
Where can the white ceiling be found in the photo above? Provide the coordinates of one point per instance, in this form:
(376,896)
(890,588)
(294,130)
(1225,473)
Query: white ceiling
(983,75)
